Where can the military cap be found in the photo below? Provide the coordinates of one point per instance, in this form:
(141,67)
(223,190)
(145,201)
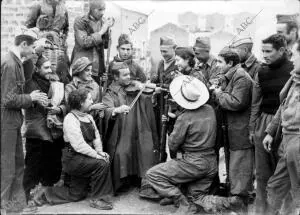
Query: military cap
(202,43)
(124,39)
(241,41)
(284,18)
(95,4)
(167,42)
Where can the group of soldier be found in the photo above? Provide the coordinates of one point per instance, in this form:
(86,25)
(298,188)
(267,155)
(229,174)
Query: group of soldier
(94,129)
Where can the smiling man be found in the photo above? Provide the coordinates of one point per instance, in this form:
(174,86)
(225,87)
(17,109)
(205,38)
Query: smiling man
(269,80)
(288,27)
(125,52)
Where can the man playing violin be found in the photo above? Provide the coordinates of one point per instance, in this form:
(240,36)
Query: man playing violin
(130,130)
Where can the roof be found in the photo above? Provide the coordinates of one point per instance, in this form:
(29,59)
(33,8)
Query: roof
(169,24)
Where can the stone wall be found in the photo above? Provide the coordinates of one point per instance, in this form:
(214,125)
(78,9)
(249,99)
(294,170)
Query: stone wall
(14,14)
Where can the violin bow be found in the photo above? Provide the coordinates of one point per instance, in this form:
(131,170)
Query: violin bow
(137,97)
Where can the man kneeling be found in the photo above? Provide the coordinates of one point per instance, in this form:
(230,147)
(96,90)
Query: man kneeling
(194,134)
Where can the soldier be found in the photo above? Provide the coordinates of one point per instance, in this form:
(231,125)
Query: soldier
(269,81)
(286,177)
(207,63)
(249,62)
(125,54)
(91,37)
(194,135)
(163,78)
(288,27)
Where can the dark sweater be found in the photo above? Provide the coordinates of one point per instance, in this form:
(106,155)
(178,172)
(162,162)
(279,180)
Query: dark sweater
(272,78)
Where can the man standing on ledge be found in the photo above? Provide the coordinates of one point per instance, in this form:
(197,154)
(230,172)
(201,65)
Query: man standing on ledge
(91,37)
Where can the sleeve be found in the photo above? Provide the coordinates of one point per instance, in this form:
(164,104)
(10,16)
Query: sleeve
(273,125)
(68,90)
(81,36)
(255,103)
(10,97)
(97,142)
(177,137)
(238,99)
(108,100)
(110,76)
(34,13)
(66,27)
(73,135)
(140,74)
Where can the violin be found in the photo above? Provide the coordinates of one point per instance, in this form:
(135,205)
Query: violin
(135,86)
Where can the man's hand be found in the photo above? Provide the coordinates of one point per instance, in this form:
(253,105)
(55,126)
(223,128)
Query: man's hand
(54,110)
(104,76)
(98,106)
(267,142)
(60,183)
(103,156)
(251,138)
(122,109)
(107,23)
(158,90)
(40,97)
(164,118)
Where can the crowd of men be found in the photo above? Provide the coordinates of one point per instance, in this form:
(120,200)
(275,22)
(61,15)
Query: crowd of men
(95,129)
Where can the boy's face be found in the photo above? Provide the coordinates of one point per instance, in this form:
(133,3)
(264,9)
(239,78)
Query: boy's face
(221,63)
(125,51)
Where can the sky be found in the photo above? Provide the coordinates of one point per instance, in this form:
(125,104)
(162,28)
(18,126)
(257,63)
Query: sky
(162,12)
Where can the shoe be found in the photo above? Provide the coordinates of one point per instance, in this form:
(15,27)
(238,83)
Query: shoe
(101,205)
(166,201)
(149,193)
(182,204)
(30,208)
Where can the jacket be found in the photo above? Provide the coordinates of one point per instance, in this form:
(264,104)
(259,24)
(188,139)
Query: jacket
(89,43)
(235,100)
(13,97)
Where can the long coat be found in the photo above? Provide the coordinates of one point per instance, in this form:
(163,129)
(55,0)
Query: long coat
(13,100)
(235,100)
(88,43)
(129,139)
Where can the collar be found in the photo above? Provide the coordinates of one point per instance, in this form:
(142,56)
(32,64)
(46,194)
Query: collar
(210,61)
(78,81)
(84,117)
(115,87)
(250,61)
(232,71)
(17,53)
(169,61)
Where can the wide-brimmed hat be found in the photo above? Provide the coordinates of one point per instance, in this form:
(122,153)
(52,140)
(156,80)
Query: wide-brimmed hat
(189,92)
(80,64)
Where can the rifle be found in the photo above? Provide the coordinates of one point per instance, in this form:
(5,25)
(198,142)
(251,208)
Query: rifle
(163,137)
(226,148)
(102,89)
